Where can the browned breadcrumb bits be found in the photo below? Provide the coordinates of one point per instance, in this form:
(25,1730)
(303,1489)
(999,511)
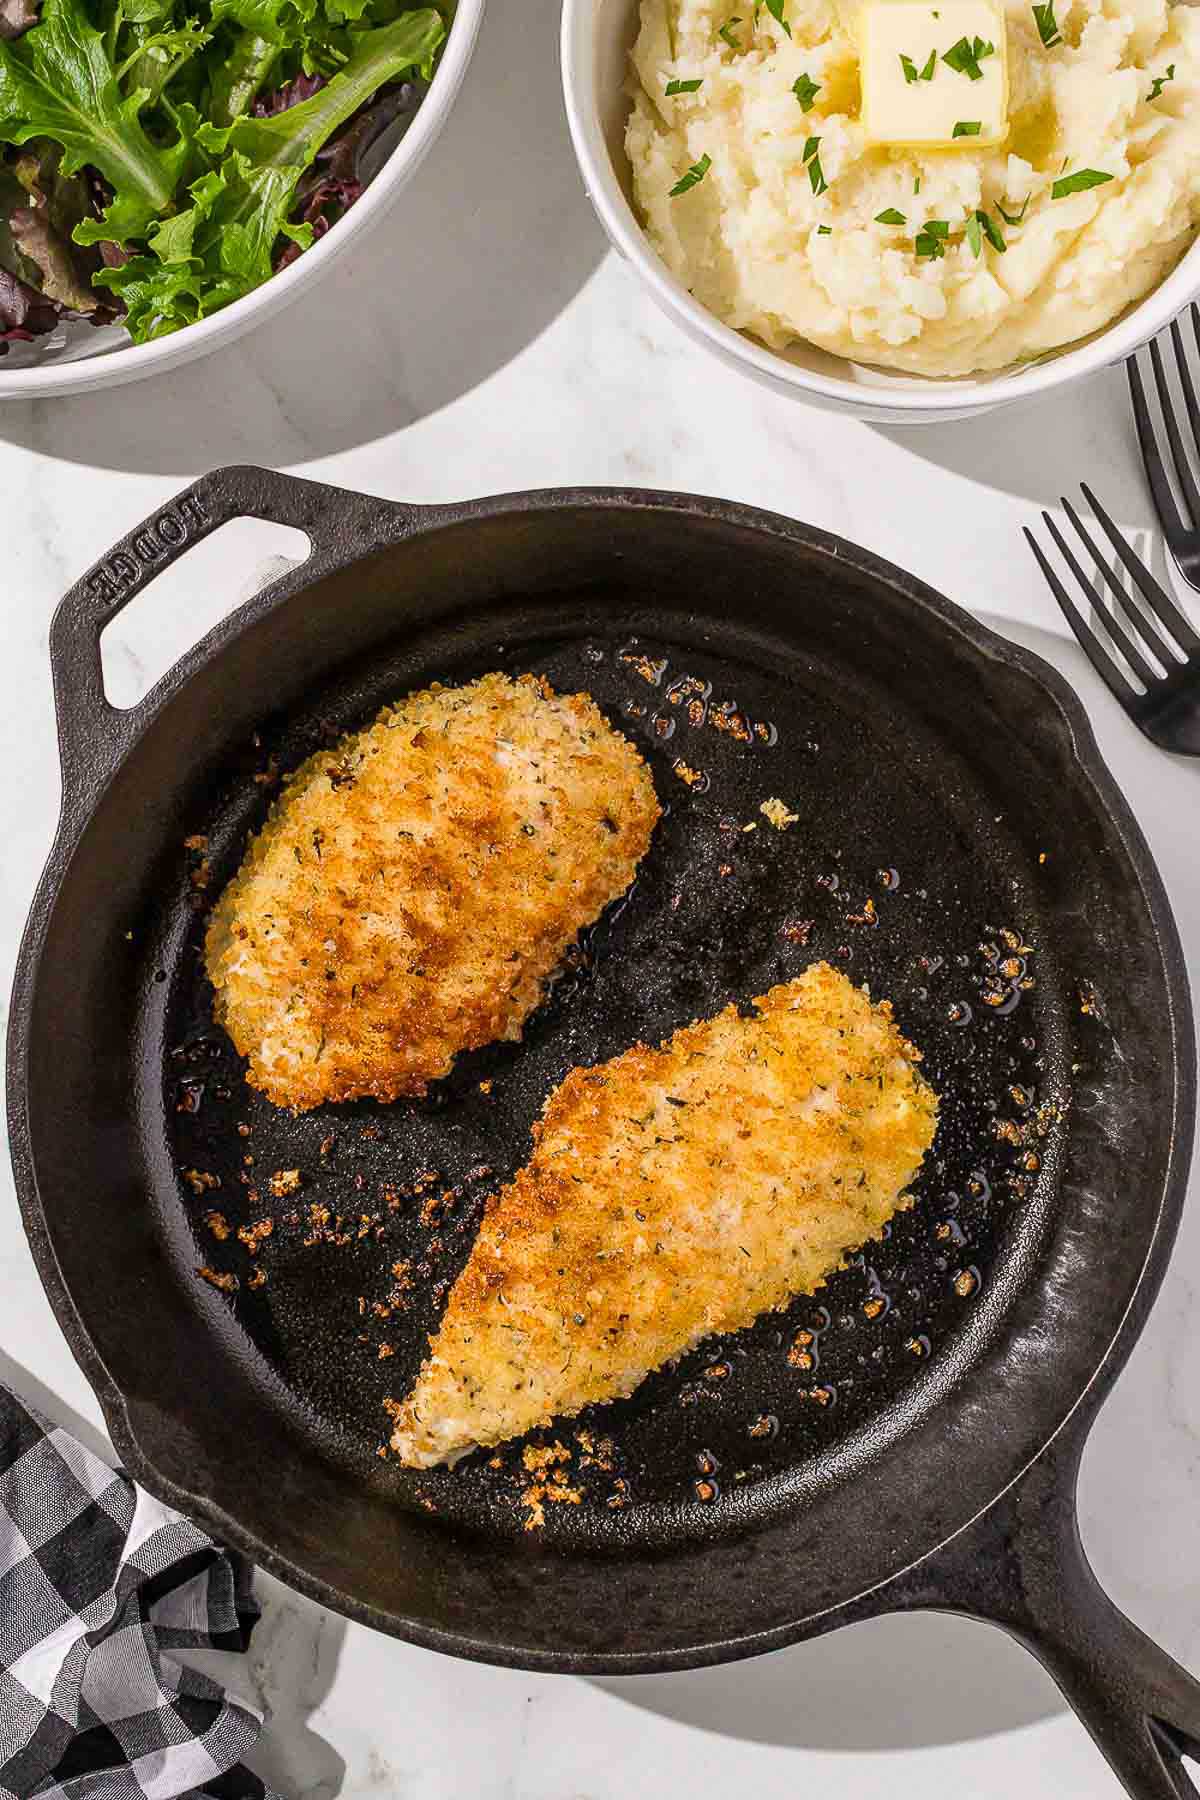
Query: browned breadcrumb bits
(198,842)
(776,813)
(253,1235)
(257,1278)
(650,668)
(228,1284)
(385,1350)
(218,1224)
(485,1087)
(796,931)
(874,1306)
(689,776)
(800,1353)
(319,1217)
(868,915)
(598,1453)
(549,1485)
(200,1180)
(284,1182)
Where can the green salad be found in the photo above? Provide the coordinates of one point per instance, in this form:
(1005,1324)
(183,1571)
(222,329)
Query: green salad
(162,158)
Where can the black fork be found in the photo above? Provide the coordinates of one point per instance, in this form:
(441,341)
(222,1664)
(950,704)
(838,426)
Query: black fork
(1182,534)
(1167,709)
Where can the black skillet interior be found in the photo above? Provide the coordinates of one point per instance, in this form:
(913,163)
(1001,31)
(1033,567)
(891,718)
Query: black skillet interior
(901,868)
(946,805)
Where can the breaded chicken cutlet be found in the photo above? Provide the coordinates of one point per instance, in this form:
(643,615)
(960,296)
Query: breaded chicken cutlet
(672,1194)
(415,887)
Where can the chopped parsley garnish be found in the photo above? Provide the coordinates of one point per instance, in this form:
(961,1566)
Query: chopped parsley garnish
(1047,24)
(912,73)
(1160,82)
(917,185)
(890,216)
(806,91)
(1078,183)
(683,87)
(930,242)
(824,230)
(775,8)
(726,32)
(975,235)
(815,173)
(1013,218)
(966,128)
(965,57)
(991,231)
(694,176)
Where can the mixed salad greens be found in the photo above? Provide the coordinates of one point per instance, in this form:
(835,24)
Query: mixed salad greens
(161,158)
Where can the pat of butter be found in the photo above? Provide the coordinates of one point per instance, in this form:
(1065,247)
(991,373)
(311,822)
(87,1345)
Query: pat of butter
(898,38)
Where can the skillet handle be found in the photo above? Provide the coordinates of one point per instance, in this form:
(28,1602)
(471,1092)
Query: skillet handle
(1022,1566)
(91,731)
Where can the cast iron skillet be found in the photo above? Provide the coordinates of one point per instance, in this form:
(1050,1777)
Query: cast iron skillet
(960,846)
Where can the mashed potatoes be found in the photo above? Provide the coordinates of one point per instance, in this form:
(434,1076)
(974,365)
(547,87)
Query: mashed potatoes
(757,241)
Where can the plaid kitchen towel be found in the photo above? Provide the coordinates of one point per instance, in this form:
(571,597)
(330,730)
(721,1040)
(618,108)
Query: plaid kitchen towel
(97,1583)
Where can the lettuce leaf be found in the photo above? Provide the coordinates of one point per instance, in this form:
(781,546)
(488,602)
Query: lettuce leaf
(177,152)
(16,17)
(57,82)
(220,245)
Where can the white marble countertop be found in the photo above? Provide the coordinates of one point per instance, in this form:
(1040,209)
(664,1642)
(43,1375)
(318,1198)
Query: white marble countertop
(482,340)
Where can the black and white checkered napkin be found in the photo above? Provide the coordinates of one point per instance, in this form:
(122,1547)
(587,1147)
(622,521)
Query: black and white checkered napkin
(98,1582)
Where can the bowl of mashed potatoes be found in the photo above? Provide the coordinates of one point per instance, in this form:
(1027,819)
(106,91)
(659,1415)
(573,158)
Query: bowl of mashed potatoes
(900,210)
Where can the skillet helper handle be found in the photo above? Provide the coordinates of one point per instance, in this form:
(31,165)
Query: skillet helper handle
(91,731)
(1022,1566)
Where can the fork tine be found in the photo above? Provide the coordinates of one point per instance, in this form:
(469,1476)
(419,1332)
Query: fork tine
(1185,373)
(1116,620)
(1160,486)
(1183,466)
(1090,644)
(1152,591)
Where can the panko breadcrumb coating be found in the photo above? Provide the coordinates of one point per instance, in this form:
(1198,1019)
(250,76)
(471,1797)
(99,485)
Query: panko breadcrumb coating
(672,1194)
(415,887)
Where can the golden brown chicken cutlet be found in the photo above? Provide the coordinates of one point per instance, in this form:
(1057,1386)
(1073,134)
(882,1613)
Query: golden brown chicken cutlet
(672,1194)
(416,886)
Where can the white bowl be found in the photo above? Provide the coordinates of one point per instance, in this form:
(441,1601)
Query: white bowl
(597,36)
(106,358)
